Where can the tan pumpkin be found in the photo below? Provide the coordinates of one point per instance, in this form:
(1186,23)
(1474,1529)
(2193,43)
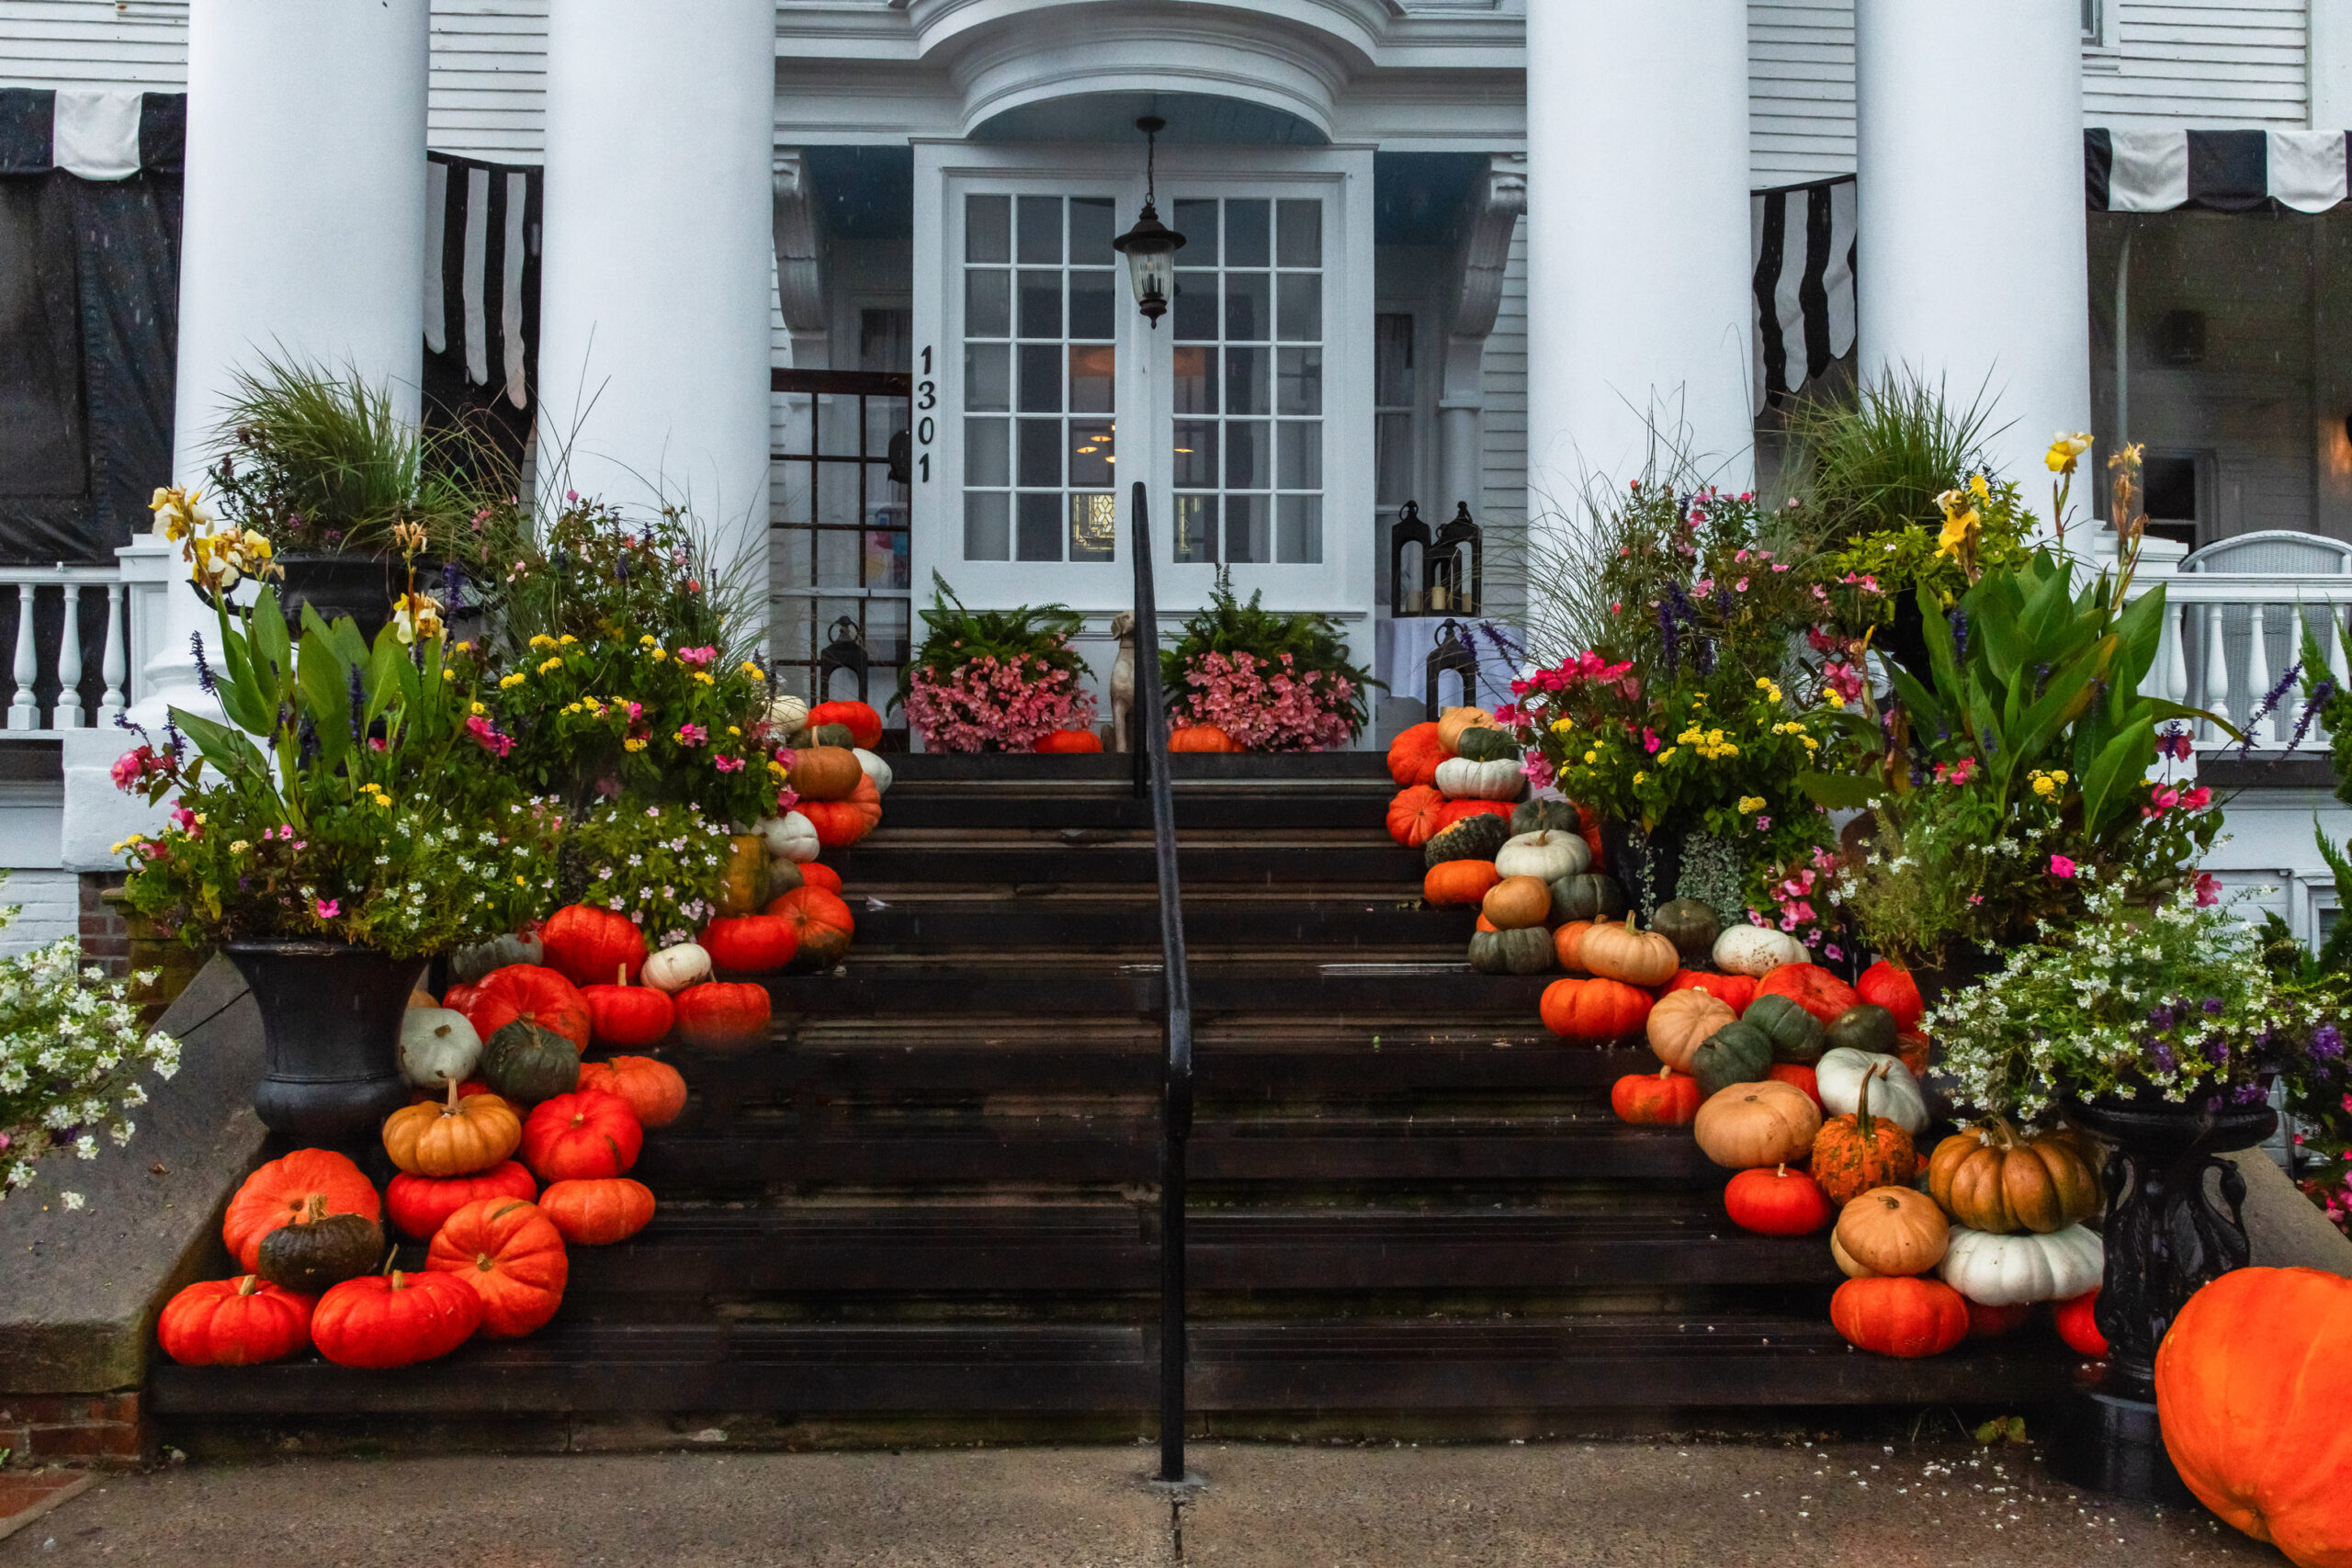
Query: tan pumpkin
(1845,1261)
(1749,1125)
(1999,1180)
(1628,953)
(1681,1023)
(1454,721)
(1516,901)
(826,773)
(1894,1230)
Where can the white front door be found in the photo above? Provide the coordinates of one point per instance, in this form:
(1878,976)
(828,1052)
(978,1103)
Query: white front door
(1041,394)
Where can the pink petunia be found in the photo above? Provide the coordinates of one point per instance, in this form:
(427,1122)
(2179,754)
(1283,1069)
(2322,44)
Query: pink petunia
(2061,867)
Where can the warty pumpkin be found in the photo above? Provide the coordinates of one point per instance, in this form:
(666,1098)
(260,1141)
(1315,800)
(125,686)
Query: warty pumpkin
(1593,1009)
(280,1191)
(1853,1153)
(1662,1099)
(1628,953)
(1414,755)
(1894,1230)
(234,1323)
(1682,1023)
(1992,1178)
(1458,882)
(1778,1201)
(1516,901)
(1544,854)
(1899,1317)
(1752,1124)
(512,1255)
(457,1137)
(395,1319)
(1415,815)
(1477,836)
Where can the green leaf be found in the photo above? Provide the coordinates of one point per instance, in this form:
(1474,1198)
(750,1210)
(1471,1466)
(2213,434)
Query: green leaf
(1840,792)
(326,699)
(227,749)
(272,649)
(2118,767)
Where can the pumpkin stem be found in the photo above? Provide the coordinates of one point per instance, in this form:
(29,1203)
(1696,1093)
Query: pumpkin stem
(1863,1120)
(1783,1170)
(249,1284)
(313,1211)
(394,1274)
(1667,1071)
(620,977)
(449,1107)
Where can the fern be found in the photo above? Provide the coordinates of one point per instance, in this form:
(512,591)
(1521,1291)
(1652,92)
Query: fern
(1311,639)
(956,634)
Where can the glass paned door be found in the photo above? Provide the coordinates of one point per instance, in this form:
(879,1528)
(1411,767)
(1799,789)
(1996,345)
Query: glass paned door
(838,535)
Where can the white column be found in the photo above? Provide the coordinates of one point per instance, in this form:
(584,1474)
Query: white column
(1973,265)
(1639,303)
(656,292)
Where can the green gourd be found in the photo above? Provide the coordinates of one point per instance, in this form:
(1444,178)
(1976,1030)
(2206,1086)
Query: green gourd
(833,735)
(1588,896)
(1689,925)
(1473,838)
(1795,1033)
(1527,951)
(524,1063)
(1737,1053)
(324,1249)
(1545,815)
(1487,746)
(1866,1026)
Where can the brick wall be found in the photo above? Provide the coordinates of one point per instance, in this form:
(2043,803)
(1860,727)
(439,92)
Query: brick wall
(106,938)
(85,1428)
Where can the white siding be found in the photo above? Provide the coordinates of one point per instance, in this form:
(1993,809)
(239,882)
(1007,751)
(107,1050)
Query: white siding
(1503,384)
(2219,65)
(489,82)
(1800,90)
(139,44)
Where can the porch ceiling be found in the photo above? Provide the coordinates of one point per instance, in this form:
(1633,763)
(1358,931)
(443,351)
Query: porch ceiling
(1193,119)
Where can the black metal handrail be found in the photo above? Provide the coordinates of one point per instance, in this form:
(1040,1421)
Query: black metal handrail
(1176,1075)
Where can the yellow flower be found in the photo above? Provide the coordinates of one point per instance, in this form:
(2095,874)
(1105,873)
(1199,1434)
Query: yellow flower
(705,677)
(542,641)
(1961,523)
(2044,785)
(415,616)
(659,653)
(572,708)
(1562,726)
(478,708)
(635,745)
(1829,695)
(508,682)
(1978,488)
(753,671)
(236,846)
(550,664)
(1749,803)
(1591,756)
(2067,450)
(567,639)
(778,769)
(649,640)
(734,729)
(448,674)
(1668,755)
(1811,744)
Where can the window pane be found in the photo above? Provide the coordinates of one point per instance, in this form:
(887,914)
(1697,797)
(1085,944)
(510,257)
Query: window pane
(837,557)
(1093,527)
(1196,221)
(1300,223)
(987,377)
(1196,380)
(1299,539)
(1092,222)
(987,303)
(1040,533)
(1299,464)
(1246,318)
(1246,530)
(1245,234)
(988,533)
(883,338)
(984,452)
(1093,379)
(1245,454)
(1041,378)
(1392,442)
(1197,454)
(1041,229)
(1093,304)
(1300,387)
(1245,381)
(987,229)
(1092,444)
(1195,306)
(1195,529)
(1302,305)
(837,424)
(1041,452)
(1041,304)
(1392,361)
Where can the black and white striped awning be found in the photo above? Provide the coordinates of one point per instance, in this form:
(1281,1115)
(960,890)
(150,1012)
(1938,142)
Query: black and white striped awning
(2227,171)
(89,133)
(482,270)
(1803,239)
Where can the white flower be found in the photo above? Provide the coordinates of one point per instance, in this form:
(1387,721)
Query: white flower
(72,1200)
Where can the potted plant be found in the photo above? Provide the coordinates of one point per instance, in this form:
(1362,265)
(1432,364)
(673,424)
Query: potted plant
(994,680)
(1269,681)
(337,830)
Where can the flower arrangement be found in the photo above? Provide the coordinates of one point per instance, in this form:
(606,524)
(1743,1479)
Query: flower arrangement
(994,680)
(2171,1001)
(72,1056)
(1272,681)
(662,866)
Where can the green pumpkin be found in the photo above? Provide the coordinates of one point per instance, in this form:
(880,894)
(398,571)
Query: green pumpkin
(1544,817)
(1737,1053)
(1689,925)
(1473,838)
(1866,1026)
(528,1064)
(1795,1033)
(1527,951)
(833,735)
(324,1249)
(1588,896)
(1487,746)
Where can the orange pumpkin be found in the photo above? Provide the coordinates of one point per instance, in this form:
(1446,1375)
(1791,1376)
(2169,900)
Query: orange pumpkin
(1068,743)
(511,1255)
(748,944)
(2253,1381)
(722,1015)
(1593,1009)
(280,1192)
(457,1137)
(622,1015)
(1413,756)
(1414,813)
(865,724)
(825,772)
(597,1213)
(587,945)
(1628,953)
(1454,721)
(1201,737)
(821,924)
(1778,1201)
(1853,1153)
(841,823)
(1900,1316)
(1516,902)
(1744,1125)
(1735,990)
(1457,810)
(1458,882)
(1812,987)
(395,1319)
(1804,1077)
(1894,1230)
(234,1323)
(1662,1099)
(420,1204)
(1890,987)
(1682,1021)
(1993,1179)
(1567,945)
(655,1091)
(535,994)
(581,1136)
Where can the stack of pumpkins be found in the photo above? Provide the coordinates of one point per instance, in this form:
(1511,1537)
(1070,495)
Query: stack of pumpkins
(837,774)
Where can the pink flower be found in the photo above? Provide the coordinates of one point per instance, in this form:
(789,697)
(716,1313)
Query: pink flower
(2196,799)
(329,909)
(485,735)
(696,656)
(691,735)
(2208,889)
(1763,824)
(1649,740)
(2061,867)
(727,764)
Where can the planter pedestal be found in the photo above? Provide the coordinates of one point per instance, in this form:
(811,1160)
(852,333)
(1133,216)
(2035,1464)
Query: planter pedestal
(330,1026)
(2166,1238)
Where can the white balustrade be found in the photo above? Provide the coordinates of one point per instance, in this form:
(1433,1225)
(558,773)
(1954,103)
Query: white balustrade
(77,584)
(2247,632)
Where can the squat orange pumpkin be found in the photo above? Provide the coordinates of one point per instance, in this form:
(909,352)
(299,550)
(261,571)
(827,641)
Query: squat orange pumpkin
(1662,1099)
(1514,903)
(511,1255)
(598,1212)
(841,823)
(821,924)
(234,1323)
(750,944)
(282,1189)
(536,993)
(1778,1201)
(621,1016)
(1900,1315)
(1812,987)
(1736,990)
(1414,815)
(1890,987)
(723,1015)
(420,1204)
(581,1136)
(1593,1009)
(1413,756)
(1458,881)
(395,1319)
(1068,743)
(586,945)
(654,1089)
(1201,737)
(865,724)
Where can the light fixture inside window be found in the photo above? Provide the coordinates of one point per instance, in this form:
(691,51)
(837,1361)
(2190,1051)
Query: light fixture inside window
(1151,246)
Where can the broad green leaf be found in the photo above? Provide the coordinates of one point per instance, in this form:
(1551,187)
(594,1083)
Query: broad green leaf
(326,699)
(1841,792)
(2119,766)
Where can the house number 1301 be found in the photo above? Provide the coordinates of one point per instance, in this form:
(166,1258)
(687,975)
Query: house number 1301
(926,397)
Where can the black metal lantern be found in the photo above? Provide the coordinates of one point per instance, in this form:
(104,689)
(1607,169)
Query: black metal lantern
(1151,246)
(1407,595)
(1457,565)
(1453,651)
(847,651)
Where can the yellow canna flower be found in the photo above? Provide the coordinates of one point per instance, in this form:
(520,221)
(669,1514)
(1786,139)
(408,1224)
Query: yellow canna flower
(1749,803)
(1978,488)
(2067,450)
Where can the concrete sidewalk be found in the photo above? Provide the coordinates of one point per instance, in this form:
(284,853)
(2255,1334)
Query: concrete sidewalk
(1725,1505)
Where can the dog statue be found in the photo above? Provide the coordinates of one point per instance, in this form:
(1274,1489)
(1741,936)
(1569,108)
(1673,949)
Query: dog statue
(1123,682)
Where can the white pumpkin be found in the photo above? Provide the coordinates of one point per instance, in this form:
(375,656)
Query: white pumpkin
(438,1047)
(876,769)
(2007,1271)
(789,716)
(789,837)
(1894,1093)
(468,965)
(673,969)
(1547,856)
(1755,950)
(1459,778)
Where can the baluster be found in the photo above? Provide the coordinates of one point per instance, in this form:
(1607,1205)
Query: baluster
(2172,655)
(2257,675)
(22,715)
(115,662)
(2217,674)
(2331,645)
(68,713)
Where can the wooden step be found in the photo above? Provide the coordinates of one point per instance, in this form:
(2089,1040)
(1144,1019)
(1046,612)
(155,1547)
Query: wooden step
(930,924)
(1246,770)
(1085,857)
(1078,984)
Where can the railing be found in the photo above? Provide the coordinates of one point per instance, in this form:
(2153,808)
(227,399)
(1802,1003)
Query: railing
(2231,638)
(1176,1075)
(53,646)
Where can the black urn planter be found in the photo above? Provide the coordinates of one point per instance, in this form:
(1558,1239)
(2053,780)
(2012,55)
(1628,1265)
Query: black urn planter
(329,1026)
(2165,1238)
(1648,866)
(360,586)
